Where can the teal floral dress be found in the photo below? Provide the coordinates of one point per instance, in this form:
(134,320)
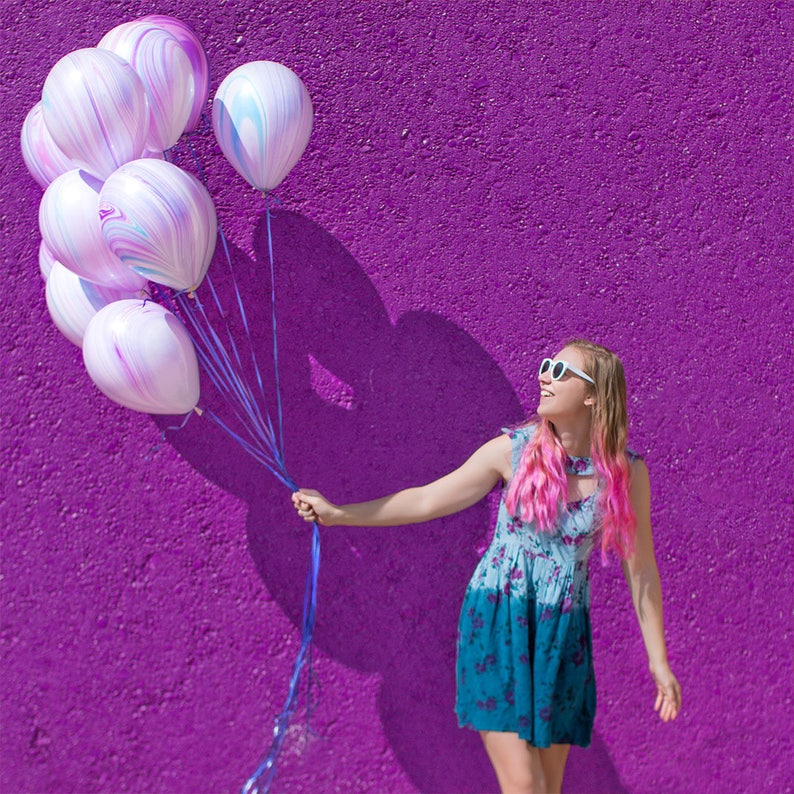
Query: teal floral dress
(525,651)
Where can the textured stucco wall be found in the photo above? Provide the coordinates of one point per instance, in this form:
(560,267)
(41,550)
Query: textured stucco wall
(483,181)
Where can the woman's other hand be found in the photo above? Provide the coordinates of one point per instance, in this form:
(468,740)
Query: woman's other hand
(313,506)
(668,693)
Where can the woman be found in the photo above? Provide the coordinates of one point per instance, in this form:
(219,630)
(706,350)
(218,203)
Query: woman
(525,671)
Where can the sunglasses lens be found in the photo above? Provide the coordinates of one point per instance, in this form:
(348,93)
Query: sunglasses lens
(558,370)
(544,366)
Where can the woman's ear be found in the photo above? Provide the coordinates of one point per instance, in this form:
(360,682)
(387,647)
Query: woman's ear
(589,400)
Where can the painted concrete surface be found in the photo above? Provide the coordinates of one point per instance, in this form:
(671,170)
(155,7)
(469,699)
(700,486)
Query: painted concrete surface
(483,181)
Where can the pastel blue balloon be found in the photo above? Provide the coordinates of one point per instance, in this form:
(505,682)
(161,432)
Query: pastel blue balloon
(160,221)
(262,118)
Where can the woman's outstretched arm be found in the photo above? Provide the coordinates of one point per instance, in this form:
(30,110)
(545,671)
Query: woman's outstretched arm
(456,491)
(642,577)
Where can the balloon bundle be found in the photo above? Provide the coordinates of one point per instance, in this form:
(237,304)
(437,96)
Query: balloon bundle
(128,237)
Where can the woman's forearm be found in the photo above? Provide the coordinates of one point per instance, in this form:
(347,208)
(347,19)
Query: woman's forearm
(404,507)
(646,593)
(642,573)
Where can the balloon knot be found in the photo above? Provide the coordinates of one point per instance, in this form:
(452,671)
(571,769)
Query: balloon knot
(198,410)
(271,201)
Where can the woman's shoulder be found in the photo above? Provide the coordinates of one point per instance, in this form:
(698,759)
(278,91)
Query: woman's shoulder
(633,456)
(521,432)
(519,436)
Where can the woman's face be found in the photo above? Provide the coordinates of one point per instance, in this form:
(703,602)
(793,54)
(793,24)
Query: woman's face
(570,396)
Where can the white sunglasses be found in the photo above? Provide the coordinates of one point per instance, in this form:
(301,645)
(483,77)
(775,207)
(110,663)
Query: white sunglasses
(559,368)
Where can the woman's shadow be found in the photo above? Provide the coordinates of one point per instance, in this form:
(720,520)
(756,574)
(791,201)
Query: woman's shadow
(370,406)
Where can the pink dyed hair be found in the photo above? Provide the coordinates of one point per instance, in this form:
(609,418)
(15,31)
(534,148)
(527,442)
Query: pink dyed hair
(538,490)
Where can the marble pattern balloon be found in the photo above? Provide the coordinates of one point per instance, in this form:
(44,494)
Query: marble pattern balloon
(262,118)
(199,62)
(160,221)
(46,260)
(141,356)
(95,108)
(69,224)
(166,72)
(73,301)
(41,154)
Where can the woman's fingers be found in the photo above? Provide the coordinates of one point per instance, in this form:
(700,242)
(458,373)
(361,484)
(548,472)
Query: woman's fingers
(312,506)
(661,706)
(668,693)
(303,505)
(676,699)
(668,703)
(303,500)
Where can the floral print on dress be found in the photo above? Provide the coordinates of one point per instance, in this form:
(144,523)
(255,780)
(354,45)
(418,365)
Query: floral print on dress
(525,658)
(578,465)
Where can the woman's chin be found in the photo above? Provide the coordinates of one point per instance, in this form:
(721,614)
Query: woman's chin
(548,409)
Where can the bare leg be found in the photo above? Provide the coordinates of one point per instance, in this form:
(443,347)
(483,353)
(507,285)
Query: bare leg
(553,760)
(516,762)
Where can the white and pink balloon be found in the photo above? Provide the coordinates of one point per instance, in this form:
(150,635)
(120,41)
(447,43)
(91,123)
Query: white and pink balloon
(69,225)
(164,68)
(47,261)
(199,63)
(95,108)
(116,213)
(72,301)
(141,356)
(41,154)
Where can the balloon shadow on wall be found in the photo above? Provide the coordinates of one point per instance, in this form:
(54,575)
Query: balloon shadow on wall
(370,406)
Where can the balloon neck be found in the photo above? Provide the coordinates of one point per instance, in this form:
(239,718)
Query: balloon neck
(191,293)
(198,410)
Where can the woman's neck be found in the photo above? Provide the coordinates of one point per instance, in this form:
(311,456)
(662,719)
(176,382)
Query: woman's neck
(575,436)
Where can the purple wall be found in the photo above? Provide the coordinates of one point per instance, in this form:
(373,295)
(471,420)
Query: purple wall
(482,182)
